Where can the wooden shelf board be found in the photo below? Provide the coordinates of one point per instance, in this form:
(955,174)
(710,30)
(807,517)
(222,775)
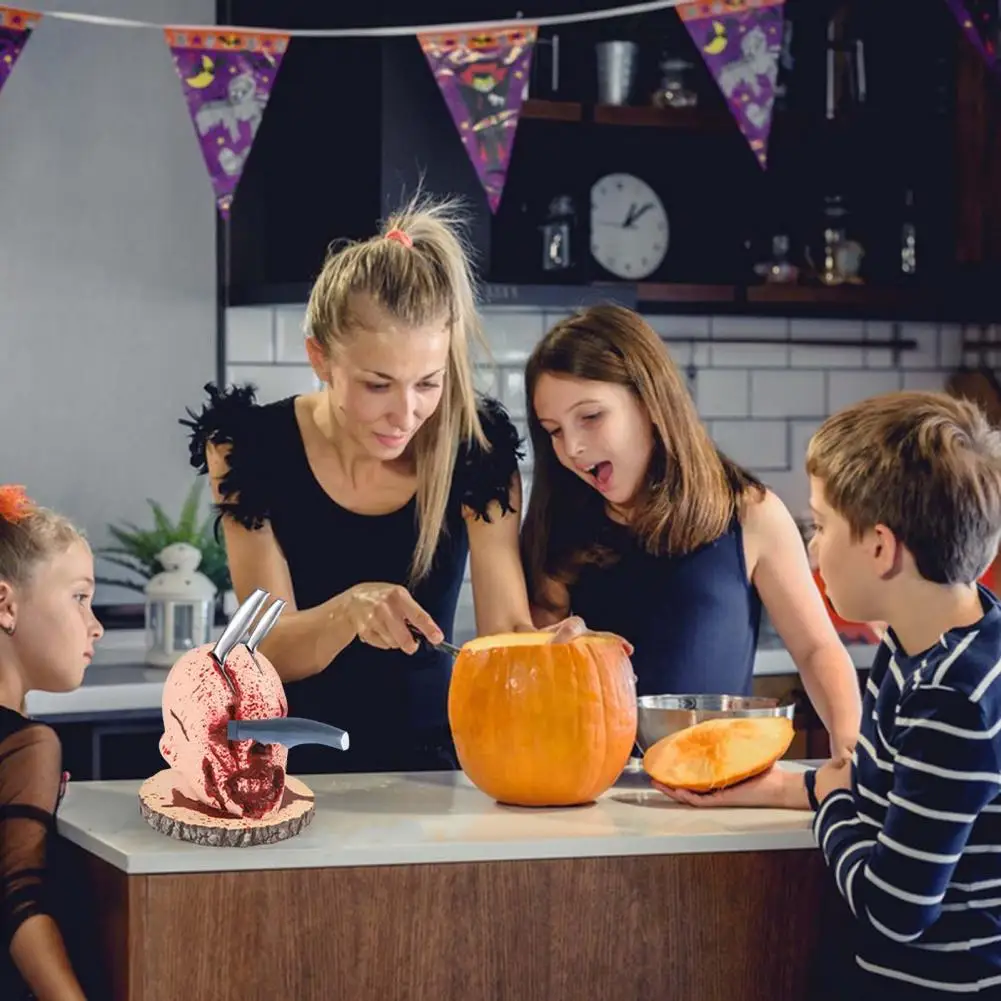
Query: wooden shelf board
(682,292)
(861,295)
(554,111)
(694,119)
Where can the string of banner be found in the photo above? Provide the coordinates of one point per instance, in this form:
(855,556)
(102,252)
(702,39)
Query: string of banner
(482,70)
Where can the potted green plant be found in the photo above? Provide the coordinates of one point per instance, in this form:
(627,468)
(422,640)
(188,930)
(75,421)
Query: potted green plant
(137,548)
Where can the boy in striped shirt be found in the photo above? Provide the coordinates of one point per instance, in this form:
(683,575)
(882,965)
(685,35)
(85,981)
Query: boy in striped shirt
(906,496)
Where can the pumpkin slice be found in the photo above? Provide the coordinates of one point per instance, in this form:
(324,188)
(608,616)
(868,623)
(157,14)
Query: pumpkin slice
(718,753)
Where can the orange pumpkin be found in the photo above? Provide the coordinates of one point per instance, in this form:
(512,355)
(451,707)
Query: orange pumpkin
(718,752)
(538,723)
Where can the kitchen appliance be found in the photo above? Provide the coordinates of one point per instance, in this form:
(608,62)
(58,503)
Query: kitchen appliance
(558,234)
(847,89)
(180,606)
(544,76)
(662,715)
(674,90)
(778,270)
(840,258)
(616,71)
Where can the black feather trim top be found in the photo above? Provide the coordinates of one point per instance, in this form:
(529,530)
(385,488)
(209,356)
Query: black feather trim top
(483,476)
(233,417)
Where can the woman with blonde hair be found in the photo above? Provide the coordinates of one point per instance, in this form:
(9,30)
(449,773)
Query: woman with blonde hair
(671,544)
(359,503)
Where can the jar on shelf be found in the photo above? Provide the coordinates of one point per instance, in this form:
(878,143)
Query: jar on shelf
(180,606)
(674,91)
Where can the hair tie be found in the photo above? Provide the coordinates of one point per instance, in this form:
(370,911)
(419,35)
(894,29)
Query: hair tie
(400,237)
(15,505)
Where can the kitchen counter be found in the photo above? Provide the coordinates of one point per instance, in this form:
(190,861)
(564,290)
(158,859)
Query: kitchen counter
(420,888)
(430,817)
(119,683)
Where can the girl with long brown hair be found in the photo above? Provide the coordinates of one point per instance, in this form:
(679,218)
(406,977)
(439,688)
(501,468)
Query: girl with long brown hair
(639,524)
(359,503)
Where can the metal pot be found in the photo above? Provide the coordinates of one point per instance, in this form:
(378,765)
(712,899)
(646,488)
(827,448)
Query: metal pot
(662,715)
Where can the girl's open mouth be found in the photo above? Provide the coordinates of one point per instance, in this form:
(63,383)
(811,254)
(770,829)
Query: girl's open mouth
(601,473)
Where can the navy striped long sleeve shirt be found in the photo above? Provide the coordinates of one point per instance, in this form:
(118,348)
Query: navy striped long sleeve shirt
(915,845)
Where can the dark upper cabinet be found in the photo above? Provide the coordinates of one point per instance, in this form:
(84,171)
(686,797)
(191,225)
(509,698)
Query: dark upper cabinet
(354,126)
(313,174)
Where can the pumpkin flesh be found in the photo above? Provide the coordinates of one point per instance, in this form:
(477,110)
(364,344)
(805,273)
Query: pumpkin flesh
(718,753)
(538,723)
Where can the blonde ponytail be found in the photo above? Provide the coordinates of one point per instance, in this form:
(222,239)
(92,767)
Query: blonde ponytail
(417,280)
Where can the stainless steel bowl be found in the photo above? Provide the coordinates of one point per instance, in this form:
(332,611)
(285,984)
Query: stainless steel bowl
(662,715)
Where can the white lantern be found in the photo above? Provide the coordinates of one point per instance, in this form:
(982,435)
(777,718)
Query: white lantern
(180,606)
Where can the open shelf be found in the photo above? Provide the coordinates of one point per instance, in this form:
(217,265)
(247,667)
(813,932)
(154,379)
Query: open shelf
(690,119)
(649,292)
(962,301)
(847,295)
(552,111)
(638,115)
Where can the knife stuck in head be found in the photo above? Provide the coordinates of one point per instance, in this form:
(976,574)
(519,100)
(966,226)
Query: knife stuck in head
(287,730)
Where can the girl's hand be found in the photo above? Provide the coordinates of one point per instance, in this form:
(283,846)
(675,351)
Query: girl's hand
(380,614)
(574,626)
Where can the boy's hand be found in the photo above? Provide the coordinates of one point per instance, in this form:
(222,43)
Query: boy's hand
(830,776)
(776,788)
(842,745)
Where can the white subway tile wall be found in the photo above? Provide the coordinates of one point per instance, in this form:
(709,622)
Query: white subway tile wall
(761,403)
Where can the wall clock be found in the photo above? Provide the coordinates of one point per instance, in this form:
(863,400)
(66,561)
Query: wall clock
(629,227)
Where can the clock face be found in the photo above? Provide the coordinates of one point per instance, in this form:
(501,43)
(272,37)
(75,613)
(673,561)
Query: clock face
(629,228)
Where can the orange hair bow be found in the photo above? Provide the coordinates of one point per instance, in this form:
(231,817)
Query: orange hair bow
(15,505)
(399,236)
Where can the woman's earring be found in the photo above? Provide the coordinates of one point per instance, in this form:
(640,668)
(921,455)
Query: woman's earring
(9,630)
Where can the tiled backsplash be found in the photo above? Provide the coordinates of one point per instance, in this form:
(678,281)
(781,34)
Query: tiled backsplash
(760,402)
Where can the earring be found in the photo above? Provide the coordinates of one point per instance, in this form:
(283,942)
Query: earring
(9,630)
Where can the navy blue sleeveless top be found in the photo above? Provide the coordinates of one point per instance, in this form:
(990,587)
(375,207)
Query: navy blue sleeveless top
(393,705)
(693,619)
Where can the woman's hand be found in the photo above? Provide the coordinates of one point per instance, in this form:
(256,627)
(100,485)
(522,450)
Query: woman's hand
(573,626)
(381,615)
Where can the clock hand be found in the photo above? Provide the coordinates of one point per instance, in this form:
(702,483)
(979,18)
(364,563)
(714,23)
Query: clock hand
(629,216)
(646,208)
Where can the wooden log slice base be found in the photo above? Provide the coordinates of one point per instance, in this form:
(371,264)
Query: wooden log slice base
(169,812)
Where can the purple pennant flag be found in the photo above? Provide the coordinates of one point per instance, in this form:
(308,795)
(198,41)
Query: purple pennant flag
(15,30)
(227,78)
(979,21)
(483,76)
(740,40)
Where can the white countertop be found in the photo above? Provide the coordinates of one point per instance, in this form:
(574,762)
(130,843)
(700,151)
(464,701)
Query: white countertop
(118,681)
(431,817)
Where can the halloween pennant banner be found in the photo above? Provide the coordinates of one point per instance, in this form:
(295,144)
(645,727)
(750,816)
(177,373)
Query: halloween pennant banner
(483,77)
(979,20)
(227,78)
(740,41)
(15,30)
